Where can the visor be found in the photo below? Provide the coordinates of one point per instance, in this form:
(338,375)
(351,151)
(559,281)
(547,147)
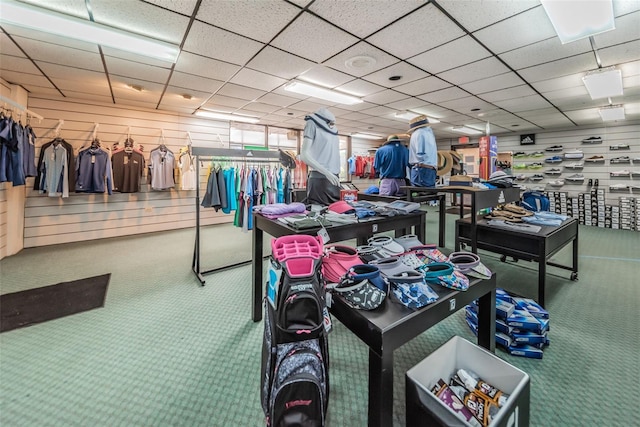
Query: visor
(411,290)
(363,287)
(341,207)
(444,274)
(386,245)
(408,241)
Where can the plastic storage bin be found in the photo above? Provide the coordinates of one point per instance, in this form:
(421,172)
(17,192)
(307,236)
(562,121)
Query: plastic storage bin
(424,408)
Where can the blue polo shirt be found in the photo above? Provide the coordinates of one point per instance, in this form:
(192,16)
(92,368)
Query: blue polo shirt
(392,160)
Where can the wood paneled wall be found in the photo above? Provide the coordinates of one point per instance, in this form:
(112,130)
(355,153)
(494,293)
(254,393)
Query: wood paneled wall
(95,216)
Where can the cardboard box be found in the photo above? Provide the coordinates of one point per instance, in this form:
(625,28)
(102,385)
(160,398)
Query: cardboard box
(525,351)
(423,408)
(535,309)
(349,195)
(521,319)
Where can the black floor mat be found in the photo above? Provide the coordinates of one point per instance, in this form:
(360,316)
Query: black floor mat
(39,305)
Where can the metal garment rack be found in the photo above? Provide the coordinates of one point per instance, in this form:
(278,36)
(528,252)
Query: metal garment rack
(255,156)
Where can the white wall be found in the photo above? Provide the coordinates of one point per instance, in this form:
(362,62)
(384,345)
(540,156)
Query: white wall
(95,216)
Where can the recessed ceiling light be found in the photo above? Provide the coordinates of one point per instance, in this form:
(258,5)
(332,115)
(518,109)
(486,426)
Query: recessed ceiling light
(321,92)
(395,78)
(603,83)
(611,113)
(359,62)
(186,96)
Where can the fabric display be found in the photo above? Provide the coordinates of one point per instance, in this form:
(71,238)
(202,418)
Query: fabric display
(337,261)
(545,218)
(17,151)
(279,210)
(363,287)
(513,225)
(509,212)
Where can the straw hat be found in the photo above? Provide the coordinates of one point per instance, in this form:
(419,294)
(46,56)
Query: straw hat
(399,137)
(418,122)
(445,162)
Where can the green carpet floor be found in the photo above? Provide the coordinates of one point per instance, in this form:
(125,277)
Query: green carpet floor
(165,351)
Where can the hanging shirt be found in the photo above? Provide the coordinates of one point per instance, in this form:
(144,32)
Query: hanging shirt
(161,164)
(230,184)
(93,171)
(55,181)
(187,172)
(29,153)
(127,171)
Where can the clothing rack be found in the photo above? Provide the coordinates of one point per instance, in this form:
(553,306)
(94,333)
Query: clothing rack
(229,154)
(21,108)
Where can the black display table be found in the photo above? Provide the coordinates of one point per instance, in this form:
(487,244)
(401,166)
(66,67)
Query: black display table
(360,231)
(392,325)
(524,245)
(440,198)
(480,199)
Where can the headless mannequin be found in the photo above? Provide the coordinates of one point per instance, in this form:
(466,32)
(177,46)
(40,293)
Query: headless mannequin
(321,151)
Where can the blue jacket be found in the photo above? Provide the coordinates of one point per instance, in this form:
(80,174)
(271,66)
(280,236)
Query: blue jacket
(392,160)
(93,170)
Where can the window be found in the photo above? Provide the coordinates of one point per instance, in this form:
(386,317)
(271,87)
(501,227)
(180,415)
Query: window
(241,134)
(284,139)
(344,166)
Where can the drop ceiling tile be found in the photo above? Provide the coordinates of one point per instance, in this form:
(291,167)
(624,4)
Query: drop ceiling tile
(473,16)
(360,87)
(407,104)
(187,111)
(479,70)
(630,69)
(514,92)
(554,120)
(184,7)
(464,105)
(621,53)
(248,112)
(281,91)
(8,47)
(544,51)
(586,116)
(173,97)
(305,35)
(55,54)
(205,67)
(257,80)
(422,30)
(626,29)
(249,17)
(444,95)
(242,92)
(131,97)
(501,81)
(568,96)
(358,107)
(363,17)
(228,47)
(431,110)
(380,60)
(277,100)
(149,105)
(385,97)
(286,112)
(309,105)
(85,96)
(451,55)
(559,68)
(219,102)
(408,72)
(141,18)
(419,87)
(137,71)
(25,79)
(262,108)
(355,116)
(60,71)
(134,57)
(526,28)
(378,111)
(531,102)
(325,76)
(559,83)
(279,63)
(97,85)
(188,81)
(20,64)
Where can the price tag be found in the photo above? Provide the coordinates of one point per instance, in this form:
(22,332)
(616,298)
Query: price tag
(93,159)
(324,235)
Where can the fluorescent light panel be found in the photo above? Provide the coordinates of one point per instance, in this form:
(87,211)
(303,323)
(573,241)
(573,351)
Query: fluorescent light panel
(322,93)
(48,21)
(603,83)
(366,136)
(614,112)
(577,19)
(226,116)
(466,130)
